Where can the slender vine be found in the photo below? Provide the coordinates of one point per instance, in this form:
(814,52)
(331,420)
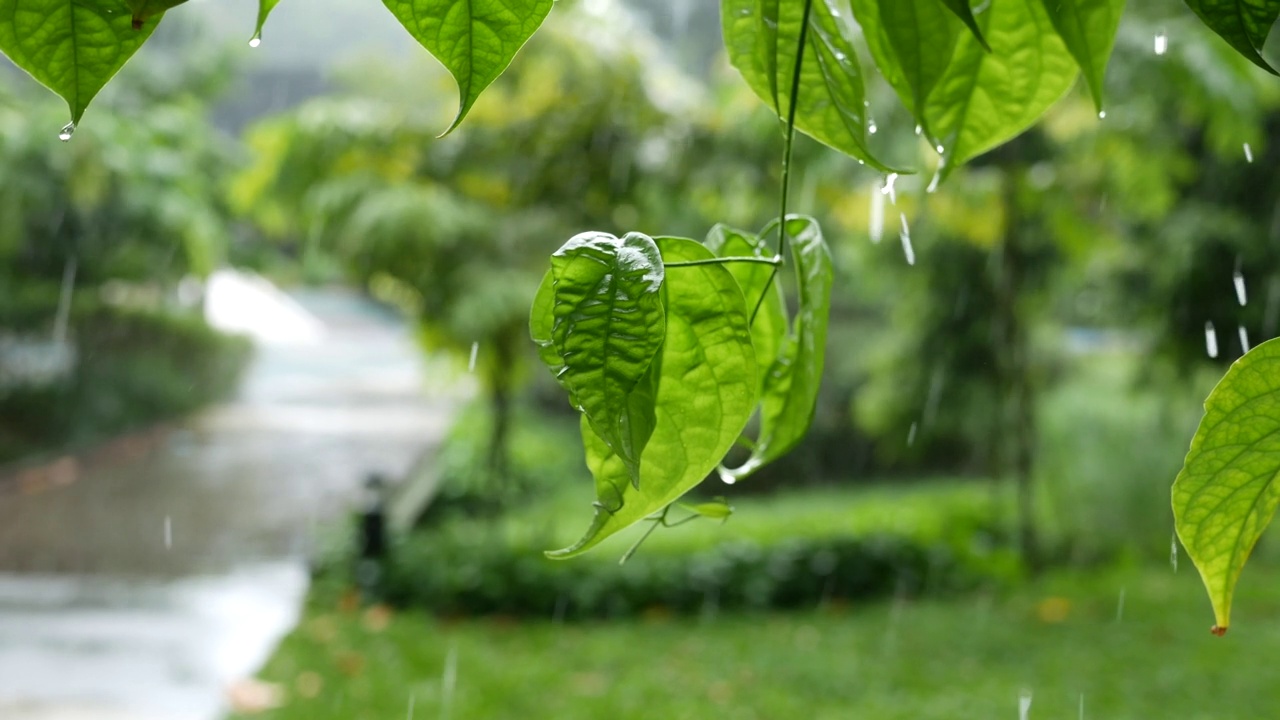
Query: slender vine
(788,140)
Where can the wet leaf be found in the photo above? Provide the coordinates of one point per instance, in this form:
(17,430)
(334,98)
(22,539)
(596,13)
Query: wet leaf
(1088,27)
(1227,492)
(72,47)
(143,10)
(264,9)
(1244,24)
(986,98)
(704,381)
(912,42)
(762,38)
(607,325)
(962,10)
(769,329)
(790,385)
(474,39)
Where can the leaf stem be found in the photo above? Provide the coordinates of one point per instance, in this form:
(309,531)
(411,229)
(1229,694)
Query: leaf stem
(775,261)
(787,143)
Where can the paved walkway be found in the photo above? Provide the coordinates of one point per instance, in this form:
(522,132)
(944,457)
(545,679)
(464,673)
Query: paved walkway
(143,579)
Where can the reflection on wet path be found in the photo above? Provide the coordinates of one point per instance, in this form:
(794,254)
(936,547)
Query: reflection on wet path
(140,579)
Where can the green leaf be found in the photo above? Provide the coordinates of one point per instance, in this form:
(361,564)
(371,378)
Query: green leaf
(474,39)
(705,380)
(264,9)
(1244,24)
(72,47)
(542,322)
(962,10)
(720,509)
(1227,491)
(143,10)
(608,325)
(986,98)
(762,38)
(791,383)
(769,330)
(1088,27)
(912,42)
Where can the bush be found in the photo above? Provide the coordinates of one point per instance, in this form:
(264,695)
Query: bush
(455,573)
(134,367)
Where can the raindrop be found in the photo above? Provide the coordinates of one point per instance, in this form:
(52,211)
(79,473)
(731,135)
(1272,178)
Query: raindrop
(1248,153)
(1237,277)
(919,130)
(871,127)
(1102,114)
(888,188)
(876,230)
(1173,551)
(937,178)
(168,532)
(475,350)
(1210,340)
(67,131)
(255,42)
(911,435)
(1024,705)
(1161,43)
(1120,607)
(941,150)
(1244,338)
(840,57)
(906,242)
(412,698)
(449,680)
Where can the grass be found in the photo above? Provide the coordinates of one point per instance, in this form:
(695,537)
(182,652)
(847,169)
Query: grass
(1061,638)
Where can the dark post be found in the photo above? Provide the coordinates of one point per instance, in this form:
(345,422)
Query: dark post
(373,534)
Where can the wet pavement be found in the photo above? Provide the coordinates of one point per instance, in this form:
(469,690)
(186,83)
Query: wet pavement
(142,579)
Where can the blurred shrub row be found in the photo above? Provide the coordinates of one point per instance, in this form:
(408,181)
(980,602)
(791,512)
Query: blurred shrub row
(460,574)
(133,367)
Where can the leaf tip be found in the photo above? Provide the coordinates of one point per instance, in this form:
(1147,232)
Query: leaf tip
(1218,630)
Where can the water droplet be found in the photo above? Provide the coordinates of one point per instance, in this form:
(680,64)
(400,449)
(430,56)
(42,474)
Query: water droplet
(1210,340)
(1102,114)
(862,162)
(871,127)
(941,150)
(1120,607)
(168,532)
(67,131)
(840,57)
(919,130)
(1161,43)
(888,189)
(255,42)
(1238,278)
(1244,338)
(1248,153)
(475,350)
(907,249)
(1024,705)
(911,435)
(876,226)
(1173,551)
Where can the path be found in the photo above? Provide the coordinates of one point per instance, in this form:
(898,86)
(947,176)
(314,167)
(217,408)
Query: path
(140,581)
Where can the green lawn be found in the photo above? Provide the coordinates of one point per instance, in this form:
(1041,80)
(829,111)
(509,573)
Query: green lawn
(969,657)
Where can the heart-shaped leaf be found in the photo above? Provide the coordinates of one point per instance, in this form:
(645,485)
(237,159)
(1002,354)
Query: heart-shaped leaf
(607,325)
(72,47)
(763,36)
(1229,486)
(1088,27)
(264,9)
(791,382)
(1245,24)
(474,39)
(704,380)
(986,98)
(912,42)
